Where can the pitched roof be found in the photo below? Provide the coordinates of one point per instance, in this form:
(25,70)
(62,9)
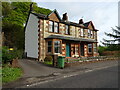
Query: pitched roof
(84,25)
(56,12)
(88,23)
(40,15)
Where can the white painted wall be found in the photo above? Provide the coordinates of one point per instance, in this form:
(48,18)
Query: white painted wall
(31,37)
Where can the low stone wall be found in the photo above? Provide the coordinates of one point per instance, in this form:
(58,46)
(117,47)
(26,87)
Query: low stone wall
(73,62)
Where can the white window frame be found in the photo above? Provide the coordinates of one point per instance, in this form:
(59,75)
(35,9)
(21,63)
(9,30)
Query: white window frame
(89,47)
(58,46)
(82,32)
(67,29)
(56,29)
(51,26)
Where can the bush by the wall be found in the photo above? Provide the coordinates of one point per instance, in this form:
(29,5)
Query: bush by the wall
(9,55)
(48,58)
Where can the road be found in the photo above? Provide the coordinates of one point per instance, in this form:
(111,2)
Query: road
(104,78)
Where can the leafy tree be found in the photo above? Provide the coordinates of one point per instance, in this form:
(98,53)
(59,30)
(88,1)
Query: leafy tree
(13,19)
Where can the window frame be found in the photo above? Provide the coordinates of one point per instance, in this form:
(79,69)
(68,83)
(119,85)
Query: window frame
(56,27)
(82,32)
(67,30)
(57,46)
(90,47)
(95,47)
(52,26)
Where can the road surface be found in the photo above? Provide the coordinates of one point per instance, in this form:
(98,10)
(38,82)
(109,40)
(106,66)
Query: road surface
(104,78)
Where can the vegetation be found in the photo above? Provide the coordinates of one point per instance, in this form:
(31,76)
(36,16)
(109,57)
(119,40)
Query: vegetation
(113,44)
(14,18)
(10,74)
(48,60)
(9,55)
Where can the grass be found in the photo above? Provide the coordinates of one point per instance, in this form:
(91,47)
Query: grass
(48,62)
(10,74)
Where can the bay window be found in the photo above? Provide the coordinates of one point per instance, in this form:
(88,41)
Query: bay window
(89,48)
(95,47)
(57,47)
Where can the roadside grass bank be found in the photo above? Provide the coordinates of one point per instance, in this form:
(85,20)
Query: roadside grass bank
(10,74)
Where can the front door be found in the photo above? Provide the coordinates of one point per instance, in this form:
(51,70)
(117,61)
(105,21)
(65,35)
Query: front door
(82,49)
(67,50)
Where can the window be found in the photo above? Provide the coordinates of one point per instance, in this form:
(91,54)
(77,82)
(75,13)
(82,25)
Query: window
(89,33)
(89,48)
(67,29)
(51,26)
(57,47)
(56,29)
(95,47)
(82,32)
(49,46)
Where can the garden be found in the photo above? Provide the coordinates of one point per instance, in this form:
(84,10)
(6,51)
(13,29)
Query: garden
(10,67)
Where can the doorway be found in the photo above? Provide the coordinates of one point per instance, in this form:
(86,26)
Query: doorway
(67,50)
(82,49)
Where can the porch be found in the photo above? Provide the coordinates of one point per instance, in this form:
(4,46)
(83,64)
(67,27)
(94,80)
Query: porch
(70,46)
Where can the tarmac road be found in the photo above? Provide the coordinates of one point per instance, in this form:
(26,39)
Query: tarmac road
(104,78)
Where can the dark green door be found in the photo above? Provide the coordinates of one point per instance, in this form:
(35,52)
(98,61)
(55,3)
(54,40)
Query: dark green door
(67,50)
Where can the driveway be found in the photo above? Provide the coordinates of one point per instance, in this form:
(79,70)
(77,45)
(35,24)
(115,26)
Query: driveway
(34,71)
(32,68)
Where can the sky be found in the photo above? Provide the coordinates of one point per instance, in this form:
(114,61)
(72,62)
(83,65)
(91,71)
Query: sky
(103,14)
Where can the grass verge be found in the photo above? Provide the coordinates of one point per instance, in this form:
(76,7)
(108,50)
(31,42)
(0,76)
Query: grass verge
(10,74)
(48,62)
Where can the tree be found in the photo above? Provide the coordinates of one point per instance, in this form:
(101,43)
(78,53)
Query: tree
(113,44)
(13,19)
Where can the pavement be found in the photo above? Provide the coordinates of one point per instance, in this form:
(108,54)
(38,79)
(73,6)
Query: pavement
(35,72)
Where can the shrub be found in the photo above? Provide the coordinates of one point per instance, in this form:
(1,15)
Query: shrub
(48,59)
(9,55)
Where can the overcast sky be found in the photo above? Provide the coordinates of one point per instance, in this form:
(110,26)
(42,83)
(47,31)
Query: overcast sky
(104,15)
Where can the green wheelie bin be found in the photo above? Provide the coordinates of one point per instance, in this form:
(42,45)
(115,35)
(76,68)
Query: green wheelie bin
(61,62)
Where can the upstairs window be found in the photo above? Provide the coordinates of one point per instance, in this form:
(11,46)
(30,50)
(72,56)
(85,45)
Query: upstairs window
(56,27)
(89,48)
(49,46)
(67,29)
(89,33)
(51,26)
(57,47)
(82,32)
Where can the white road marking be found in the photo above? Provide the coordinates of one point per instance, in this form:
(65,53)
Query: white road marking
(66,76)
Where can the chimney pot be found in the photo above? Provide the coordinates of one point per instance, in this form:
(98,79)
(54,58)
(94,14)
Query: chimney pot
(81,21)
(65,17)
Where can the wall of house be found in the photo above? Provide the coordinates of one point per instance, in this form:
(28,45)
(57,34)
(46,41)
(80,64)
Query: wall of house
(31,37)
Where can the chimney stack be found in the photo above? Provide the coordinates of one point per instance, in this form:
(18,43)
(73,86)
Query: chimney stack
(81,21)
(65,17)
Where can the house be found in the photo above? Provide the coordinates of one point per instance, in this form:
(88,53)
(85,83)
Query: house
(50,35)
